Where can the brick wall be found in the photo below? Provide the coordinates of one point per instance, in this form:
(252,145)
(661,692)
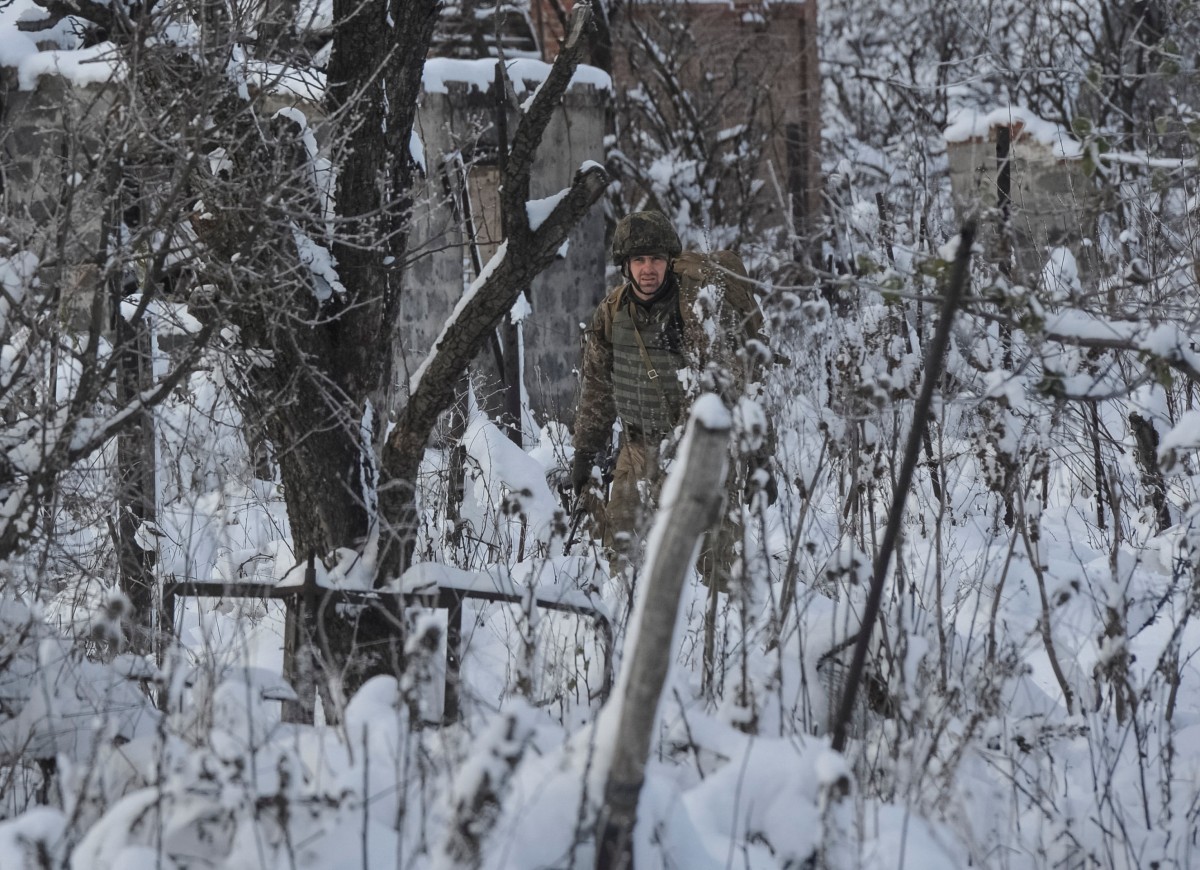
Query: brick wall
(771,51)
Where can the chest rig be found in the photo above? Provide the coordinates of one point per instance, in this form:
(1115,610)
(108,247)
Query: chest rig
(647,344)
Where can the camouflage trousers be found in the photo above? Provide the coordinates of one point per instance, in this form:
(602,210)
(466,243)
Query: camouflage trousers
(624,521)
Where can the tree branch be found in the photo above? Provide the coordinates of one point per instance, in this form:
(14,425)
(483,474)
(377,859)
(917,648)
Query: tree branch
(525,253)
(464,334)
(933,373)
(514,191)
(692,498)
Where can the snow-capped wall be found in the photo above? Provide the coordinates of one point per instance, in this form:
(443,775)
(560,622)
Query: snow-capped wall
(1052,200)
(457,125)
(455,139)
(46,154)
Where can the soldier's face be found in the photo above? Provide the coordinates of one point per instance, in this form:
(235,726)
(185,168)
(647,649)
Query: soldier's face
(648,271)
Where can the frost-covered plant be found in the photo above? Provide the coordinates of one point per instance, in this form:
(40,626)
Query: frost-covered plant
(694,135)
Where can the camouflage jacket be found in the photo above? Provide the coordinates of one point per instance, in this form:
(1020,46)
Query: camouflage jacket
(713,332)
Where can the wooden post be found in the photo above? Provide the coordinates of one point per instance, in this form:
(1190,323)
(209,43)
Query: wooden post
(301,656)
(450,701)
(511,373)
(136,482)
(691,504)
(1005,249)
(299,653)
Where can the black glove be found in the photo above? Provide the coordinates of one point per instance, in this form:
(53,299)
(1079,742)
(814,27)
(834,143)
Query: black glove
(761,479)
(581,472)
(772,488)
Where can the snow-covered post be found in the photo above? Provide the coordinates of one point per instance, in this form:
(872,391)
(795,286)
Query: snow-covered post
(691,504)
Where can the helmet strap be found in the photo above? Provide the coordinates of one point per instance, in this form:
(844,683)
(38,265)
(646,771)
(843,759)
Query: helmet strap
(627,274)
(664,289)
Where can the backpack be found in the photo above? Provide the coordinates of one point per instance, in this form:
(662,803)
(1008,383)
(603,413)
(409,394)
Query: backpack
(725,269)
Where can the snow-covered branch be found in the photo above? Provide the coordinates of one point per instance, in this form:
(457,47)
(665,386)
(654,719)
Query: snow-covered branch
(523,255)
(514,190)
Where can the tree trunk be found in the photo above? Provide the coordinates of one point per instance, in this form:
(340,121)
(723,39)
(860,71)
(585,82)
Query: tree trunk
(136,480)
(327,414)
(313,351)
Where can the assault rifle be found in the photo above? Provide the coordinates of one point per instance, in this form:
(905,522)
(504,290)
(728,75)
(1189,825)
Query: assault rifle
(579,505)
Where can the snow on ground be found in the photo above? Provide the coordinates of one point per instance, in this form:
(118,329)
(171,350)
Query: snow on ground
(220,766)
(1032,704)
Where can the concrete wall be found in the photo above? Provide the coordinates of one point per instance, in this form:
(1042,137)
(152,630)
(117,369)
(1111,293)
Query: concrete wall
(1053,201)
(463,122)
(40,143)
(52,168)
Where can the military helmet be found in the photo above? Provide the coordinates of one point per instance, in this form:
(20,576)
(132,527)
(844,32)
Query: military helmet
(644,232)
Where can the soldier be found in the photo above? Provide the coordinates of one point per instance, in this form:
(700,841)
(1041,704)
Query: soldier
(646,350)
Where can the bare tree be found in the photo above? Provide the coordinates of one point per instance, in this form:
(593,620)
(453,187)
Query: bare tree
(301,283)
(84,263)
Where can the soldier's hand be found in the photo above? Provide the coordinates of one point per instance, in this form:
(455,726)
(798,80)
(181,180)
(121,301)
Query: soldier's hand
(581,473)
(762,479)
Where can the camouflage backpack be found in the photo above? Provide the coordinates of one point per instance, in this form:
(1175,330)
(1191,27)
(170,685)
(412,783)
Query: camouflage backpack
(725,270)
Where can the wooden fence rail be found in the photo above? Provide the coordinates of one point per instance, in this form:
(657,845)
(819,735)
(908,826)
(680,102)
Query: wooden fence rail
(306,599)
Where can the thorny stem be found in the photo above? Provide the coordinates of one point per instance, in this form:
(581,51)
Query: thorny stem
(791,571)
(936,360)
(939,580)
(1035,562)
(994,615)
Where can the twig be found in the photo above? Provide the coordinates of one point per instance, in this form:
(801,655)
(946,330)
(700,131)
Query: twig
(912,449)
(1035,563)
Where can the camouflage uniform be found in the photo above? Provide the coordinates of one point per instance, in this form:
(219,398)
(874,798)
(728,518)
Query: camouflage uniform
(640,383)
(617,382)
